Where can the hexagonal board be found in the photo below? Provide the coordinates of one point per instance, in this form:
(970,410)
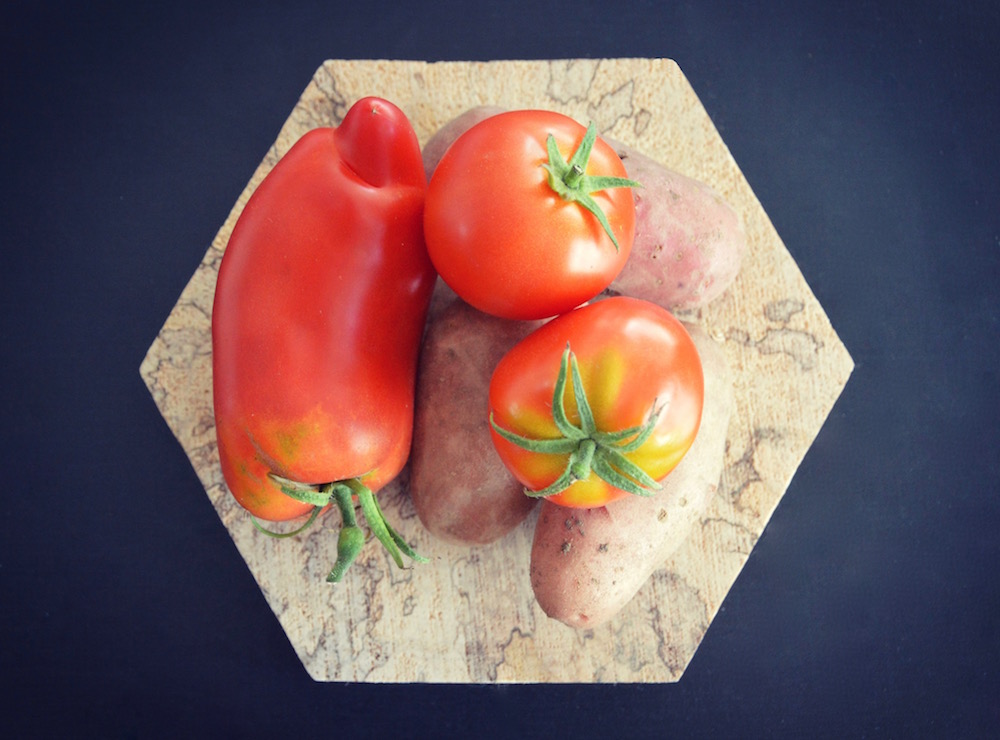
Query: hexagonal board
(469,615)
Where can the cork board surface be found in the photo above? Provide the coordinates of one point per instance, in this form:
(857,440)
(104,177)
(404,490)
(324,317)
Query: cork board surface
(469,615)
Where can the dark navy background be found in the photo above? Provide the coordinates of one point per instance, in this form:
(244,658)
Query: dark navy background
(869,608)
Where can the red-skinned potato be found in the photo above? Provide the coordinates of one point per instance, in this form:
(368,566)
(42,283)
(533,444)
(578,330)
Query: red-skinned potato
(438,144)
(689,243)
(587,564)
(460,488)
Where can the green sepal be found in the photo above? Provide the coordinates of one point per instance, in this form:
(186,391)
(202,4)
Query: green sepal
(565,426)
(570,181)
(620,470)
(618,437)
(587,424)
(644,434)
(560,484)
(283,535)
(557,446)
(590,450)
(304,492)
(384,533)
(351,537)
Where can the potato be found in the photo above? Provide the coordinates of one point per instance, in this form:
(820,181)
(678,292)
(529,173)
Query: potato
(689,243)
(438,144)
(461,490)
(587,564)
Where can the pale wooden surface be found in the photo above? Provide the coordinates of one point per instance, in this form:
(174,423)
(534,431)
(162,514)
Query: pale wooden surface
(469,614)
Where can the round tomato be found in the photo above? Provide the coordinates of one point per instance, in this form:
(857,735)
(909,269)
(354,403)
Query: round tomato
(529,215)
(599,403)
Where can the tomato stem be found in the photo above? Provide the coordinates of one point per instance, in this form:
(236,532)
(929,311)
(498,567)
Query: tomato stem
(580,467)
(572,183)
(589,450)
(573,176)
(351,538)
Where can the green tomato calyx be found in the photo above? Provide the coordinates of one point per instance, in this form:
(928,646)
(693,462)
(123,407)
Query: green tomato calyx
(572,183)
(590,450)
(351,538)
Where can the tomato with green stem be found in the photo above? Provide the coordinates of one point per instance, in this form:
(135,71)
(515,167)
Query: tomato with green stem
(319,310)
(599,403)
(529,215)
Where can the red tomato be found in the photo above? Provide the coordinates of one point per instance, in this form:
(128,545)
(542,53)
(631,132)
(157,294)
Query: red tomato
(514,214)
(598,403)
(319,310)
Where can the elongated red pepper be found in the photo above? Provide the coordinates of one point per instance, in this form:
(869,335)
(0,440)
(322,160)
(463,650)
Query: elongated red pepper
(320,306)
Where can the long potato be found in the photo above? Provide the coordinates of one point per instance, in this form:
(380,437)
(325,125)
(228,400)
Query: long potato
(689,243)
(460,489)
(587,564)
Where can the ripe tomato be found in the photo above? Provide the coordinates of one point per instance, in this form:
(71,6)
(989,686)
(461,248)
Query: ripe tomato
(319,310)
(529,215)
(598,403)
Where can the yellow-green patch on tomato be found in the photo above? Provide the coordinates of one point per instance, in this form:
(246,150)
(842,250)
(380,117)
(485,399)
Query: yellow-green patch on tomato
(619,383)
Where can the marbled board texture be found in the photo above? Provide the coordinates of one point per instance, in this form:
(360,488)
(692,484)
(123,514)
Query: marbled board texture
(469,616)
